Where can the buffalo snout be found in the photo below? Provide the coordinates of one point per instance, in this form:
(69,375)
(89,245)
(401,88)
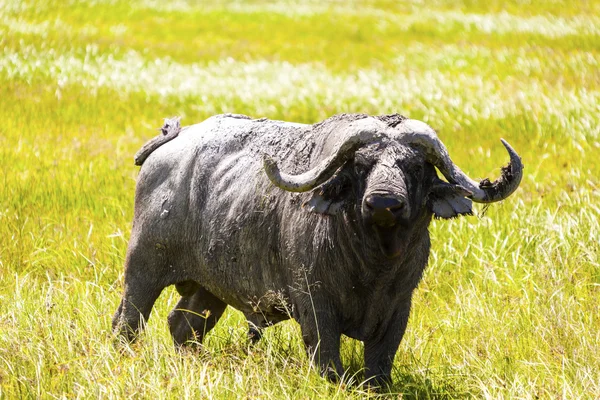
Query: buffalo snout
(383,211)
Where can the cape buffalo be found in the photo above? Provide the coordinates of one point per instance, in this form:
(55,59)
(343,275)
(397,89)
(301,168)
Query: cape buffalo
(338,241)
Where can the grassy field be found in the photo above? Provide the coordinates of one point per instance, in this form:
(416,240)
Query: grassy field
(509,305)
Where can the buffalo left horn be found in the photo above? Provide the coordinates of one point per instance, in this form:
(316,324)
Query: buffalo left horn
(362,133)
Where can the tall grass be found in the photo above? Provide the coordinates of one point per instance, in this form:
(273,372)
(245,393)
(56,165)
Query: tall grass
(508,307)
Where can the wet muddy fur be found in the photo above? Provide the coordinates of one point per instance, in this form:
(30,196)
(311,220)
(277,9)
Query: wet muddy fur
(341,255)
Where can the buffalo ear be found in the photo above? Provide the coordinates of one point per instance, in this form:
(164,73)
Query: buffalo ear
(449,201)
(330,197)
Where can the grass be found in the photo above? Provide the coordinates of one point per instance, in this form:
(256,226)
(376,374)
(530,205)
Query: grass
(508,307)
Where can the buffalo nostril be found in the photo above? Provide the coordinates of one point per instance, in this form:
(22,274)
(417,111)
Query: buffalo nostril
(396,205)
(383,203)
(369,201)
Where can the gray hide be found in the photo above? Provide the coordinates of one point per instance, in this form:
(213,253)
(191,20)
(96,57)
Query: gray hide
(223,211)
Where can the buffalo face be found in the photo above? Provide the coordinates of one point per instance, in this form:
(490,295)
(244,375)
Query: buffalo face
(402,188)
(394,188)
(386,176)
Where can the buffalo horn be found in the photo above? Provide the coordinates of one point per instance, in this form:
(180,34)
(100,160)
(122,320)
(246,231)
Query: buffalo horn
(484,191)
(362,134)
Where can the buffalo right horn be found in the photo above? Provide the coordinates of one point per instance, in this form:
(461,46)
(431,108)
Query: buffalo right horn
(363,132)
(418,133)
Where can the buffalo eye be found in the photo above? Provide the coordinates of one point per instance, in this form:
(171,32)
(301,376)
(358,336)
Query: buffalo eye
(359,169)
(414,170)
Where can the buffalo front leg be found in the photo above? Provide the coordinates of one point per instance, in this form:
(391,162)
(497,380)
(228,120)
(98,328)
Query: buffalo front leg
(194,316)
(380,351)
(321,335)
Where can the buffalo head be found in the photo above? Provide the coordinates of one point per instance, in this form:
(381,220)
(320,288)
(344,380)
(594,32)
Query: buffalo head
(387,176)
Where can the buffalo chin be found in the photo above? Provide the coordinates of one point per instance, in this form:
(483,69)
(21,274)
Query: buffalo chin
(389,240)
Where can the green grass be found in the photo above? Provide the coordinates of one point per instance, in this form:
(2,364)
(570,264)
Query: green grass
(508,307)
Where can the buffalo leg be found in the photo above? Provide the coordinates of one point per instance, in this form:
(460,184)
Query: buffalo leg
(321,335)
(134,311)
(256,326)
(380,352)
(258,321)
(141,291)
(255,333)
(194,316)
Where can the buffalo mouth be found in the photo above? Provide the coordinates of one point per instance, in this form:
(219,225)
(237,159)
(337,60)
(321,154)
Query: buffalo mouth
(389,240)
(387,233)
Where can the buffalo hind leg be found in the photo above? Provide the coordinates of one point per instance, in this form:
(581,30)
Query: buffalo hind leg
(142,287)
(258,321)
(256,326)
(255,333)
(134,310)
(194,316)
